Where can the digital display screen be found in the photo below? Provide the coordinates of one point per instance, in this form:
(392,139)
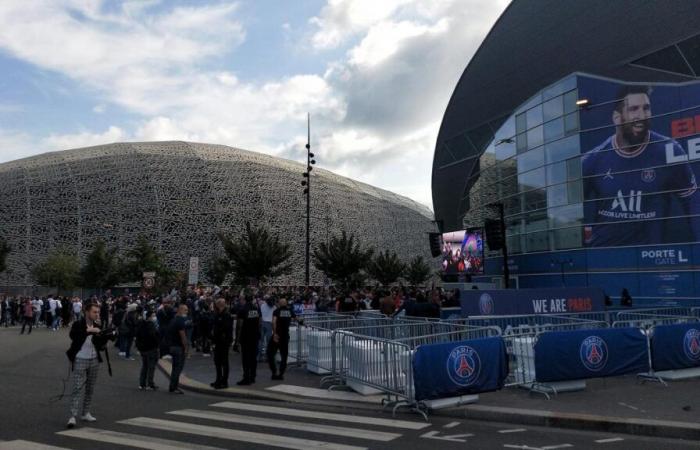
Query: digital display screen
(463,252)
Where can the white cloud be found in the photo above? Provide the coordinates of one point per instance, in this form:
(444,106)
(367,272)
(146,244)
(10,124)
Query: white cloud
(375,112)
(84,139)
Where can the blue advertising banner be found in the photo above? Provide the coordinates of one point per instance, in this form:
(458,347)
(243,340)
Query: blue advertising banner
(574,355)
(675,346)
(640,163)
(459,368)
(531,301)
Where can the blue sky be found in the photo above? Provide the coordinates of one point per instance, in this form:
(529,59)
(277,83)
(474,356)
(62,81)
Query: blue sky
(375,76)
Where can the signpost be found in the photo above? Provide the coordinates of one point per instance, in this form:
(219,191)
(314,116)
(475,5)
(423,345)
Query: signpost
(149,280)
(193,277)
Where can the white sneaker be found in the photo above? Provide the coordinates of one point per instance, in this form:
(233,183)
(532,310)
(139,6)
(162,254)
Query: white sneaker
(122,354)
(87,417)
(71,423)
(167,357)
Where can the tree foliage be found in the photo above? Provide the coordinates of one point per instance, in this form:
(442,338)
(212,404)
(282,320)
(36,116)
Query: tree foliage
(5,249)
(143,257)
(343,260)
(418,271)
(256,255)
(102,268)
(217,270)
(386,267)
(60,269)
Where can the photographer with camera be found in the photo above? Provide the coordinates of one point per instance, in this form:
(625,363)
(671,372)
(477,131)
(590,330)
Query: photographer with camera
(87,341)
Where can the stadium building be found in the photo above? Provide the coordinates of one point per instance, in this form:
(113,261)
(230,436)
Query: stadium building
(581,118)
(180,195)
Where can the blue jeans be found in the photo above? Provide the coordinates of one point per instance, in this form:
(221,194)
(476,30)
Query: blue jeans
(264,338)
(125,346)
(54,322)
(178,354)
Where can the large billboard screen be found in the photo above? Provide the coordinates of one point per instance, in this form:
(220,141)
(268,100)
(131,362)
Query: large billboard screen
(463,252)
(641,158)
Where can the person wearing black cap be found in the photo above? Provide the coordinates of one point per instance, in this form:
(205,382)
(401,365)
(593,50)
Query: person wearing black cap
(249,321)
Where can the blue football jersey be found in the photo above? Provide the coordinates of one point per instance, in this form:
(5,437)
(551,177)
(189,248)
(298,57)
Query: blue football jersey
(629,197)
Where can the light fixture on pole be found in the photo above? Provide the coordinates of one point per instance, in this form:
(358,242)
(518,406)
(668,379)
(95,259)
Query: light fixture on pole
(307,191)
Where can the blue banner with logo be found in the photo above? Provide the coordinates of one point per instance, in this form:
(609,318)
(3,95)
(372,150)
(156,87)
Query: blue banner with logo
(675,346)
(499,302)
(459,368)
(574,355)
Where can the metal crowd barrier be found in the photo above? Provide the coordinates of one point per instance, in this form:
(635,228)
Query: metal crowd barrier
(529,324)
(381,365)
(646,321)
(520,347)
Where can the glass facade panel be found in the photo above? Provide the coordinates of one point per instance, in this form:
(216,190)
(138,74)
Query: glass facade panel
(573,168)
(531,160)
(534,116)
(554,130)
(520,124)
(562,149)
(556,173)
(531,180)
(553,108)
(567,238)
(534,199)
(535,137)
(556,195)
(570,99)
(521,142)
(575,191)
(571,123)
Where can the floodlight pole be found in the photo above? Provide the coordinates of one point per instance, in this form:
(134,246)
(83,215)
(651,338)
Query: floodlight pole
(308,196)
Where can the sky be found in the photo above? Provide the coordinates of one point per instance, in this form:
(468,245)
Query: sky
(375,76)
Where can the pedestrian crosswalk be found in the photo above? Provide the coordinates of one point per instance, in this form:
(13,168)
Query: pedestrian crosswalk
(236,425)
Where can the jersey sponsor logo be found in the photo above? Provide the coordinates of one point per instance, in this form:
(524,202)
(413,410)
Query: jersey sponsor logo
(691,344)
(627,207)
(253,314)
(463,366)
(594,353)
(285,314)
(648,175)
(485,304)
(608,175)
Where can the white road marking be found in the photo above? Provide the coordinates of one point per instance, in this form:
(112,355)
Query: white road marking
(323,415)
(28,445)
(325,393)
(451,437)
(512,430)
(527,447)
(451,425)
(235,435)
(132,440)
(605,441)
(288,424)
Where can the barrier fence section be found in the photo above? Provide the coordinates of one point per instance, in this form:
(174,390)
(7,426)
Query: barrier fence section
(387,365)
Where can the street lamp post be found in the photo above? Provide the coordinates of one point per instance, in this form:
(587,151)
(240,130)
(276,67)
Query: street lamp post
(307,191)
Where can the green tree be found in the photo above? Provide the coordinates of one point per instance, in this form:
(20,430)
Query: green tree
(386,267)
(343,260)
(217,270)
(5,249)
(418,271)
(143,257)
(60,269)
(102,268)
(256,255)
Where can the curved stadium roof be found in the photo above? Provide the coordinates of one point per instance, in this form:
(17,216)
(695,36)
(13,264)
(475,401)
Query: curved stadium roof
(537,42)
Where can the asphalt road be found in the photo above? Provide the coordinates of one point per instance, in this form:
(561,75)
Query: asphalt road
(32,370)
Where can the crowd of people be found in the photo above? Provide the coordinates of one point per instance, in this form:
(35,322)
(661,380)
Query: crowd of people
(254,322)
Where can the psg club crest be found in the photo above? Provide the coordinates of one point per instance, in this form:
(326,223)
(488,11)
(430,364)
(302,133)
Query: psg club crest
(594,353)
(691,344)
(648,175)
(463,366)
(485,304)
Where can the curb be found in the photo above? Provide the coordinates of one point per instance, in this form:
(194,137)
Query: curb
(540,418)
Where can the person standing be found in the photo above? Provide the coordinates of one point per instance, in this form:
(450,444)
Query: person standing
(266,309)
(28,316)
(249,320)
(281,319)
(127,331)
(222,338)
(147,342)
(84,355)
(179,346)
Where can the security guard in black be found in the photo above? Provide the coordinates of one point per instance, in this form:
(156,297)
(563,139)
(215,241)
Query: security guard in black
(281,319)
(249,321)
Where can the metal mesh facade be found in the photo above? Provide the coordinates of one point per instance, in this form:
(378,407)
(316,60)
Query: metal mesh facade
(180,195)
